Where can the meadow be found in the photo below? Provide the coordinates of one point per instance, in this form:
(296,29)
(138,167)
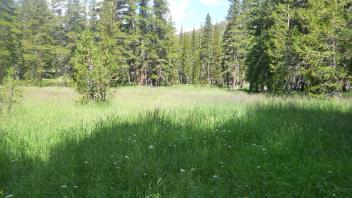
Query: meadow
(175,142)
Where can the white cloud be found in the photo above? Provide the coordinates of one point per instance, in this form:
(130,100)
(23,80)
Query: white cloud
(180,10)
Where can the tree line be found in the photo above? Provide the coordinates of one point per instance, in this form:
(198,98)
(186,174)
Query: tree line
(276,46)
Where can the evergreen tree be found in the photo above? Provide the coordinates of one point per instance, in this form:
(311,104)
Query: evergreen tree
(8,33)
(60,61)
(95,63)
(318,45)
(216,74)
(160,39)
(195,60)
(35,18)
(206,51)
(145,34)
(186,67)
(172,55)
(126,15)
(75,23)
(258,60)
(235,44)
(111,51)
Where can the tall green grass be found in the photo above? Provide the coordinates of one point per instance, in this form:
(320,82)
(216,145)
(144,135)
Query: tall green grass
(176,142)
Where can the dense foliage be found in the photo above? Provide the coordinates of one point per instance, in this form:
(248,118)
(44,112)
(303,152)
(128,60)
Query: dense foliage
(281,46)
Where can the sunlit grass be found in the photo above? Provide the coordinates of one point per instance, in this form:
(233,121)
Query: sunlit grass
(175,142)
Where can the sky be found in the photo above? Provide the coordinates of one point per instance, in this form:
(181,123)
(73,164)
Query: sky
(191,13)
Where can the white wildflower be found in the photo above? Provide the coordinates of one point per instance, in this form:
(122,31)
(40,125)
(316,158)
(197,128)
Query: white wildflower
(151,147)
(182,170)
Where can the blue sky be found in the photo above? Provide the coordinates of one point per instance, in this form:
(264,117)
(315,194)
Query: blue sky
(191,13)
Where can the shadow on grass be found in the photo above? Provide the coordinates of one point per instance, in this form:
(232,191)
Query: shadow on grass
(273,151)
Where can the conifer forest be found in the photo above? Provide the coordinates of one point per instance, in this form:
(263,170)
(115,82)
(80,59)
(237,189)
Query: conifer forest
(112,98)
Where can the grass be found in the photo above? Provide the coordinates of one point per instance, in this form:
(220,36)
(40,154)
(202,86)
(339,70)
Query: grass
(175,142)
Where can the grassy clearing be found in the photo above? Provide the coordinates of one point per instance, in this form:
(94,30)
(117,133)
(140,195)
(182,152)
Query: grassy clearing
(175,142)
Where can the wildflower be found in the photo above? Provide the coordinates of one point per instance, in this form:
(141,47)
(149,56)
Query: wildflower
(9,196)
(115,163)
(75,186)
(263,149)
(85,162)
(215,176)
(64,186)
(182,170)
(258,167)
(126,157)
(329,171)
(151,147)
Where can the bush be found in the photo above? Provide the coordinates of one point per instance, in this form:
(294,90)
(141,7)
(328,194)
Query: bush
(9,93)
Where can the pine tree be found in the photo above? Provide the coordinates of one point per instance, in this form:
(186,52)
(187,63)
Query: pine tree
(75,22)
(186,67)
(216,74)
(61,53)
(235,45)
(8,34)
(195,45)
(127,17)
(160,39)
(35,18)
(145,34)
(318,46)
(172,55)
(95,64)
(93,15)
(112,52)
(206,51)
(258,60)
(345,43)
